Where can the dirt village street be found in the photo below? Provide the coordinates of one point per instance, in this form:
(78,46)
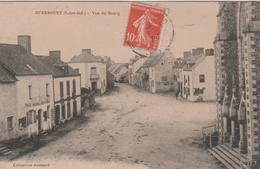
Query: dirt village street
(134,128)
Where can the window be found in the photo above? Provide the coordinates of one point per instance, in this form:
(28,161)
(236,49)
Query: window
(196,91)
(47,90)
(45,117)
(48,111)
(93,70)
(188,91)
(34,116)
(61,90)
(202,78)
(29,117)
(74,108)
(164,78)
(10,123)
(188,80)
(63,112)
(22,123)
(30,91)
(74,87)
(68,88)
(68,109)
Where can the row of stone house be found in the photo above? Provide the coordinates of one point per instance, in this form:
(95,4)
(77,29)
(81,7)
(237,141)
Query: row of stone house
(40,92)
(191,76)
(153,73)
(195,75)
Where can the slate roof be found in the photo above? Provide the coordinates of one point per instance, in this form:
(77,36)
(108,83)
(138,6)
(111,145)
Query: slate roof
(188,66)
(112,67)
(199,60)
(196,63)
(6,76)
(86,57)
(18,61)
(118,69)
(115,68)
(152,60)
(57,67)
(155,57)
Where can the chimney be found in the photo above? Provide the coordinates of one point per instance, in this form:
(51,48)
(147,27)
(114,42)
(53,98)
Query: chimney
(24,41)
(193,51)
(197,51)
(186,54)
(86,51)
(200,51)
(209,52)
(55,54)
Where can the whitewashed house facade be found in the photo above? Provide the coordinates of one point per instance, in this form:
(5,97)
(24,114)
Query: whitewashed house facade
(26,102)
(156,73)
(92,69)
(199,78)
(66,86)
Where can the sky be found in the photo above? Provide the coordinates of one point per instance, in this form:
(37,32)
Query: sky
(195,25)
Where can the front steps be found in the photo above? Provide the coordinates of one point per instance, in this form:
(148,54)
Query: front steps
(6,153)
(229,157)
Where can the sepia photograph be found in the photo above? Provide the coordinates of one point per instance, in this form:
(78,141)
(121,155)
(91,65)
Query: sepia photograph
(130,85)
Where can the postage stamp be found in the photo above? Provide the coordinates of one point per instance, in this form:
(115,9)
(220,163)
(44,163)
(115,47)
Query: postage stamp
(144,27)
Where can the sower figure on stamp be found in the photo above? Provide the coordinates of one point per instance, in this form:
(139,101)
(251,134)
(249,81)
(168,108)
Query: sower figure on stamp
(141,24)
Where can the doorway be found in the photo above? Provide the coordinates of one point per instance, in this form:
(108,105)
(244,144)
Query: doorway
(94,86)
(40,120)
(74,108)
(57,115)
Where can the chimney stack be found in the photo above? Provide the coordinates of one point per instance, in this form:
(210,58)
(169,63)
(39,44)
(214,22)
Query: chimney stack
(198,51)
(186,54)
(55,54)
(193,52)
(24,41)
(86,51)
(209,52)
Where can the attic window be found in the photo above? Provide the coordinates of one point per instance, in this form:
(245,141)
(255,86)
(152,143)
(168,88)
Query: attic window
(202,78)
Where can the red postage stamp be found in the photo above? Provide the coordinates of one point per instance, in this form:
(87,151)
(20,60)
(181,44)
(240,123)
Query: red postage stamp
(144,27)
